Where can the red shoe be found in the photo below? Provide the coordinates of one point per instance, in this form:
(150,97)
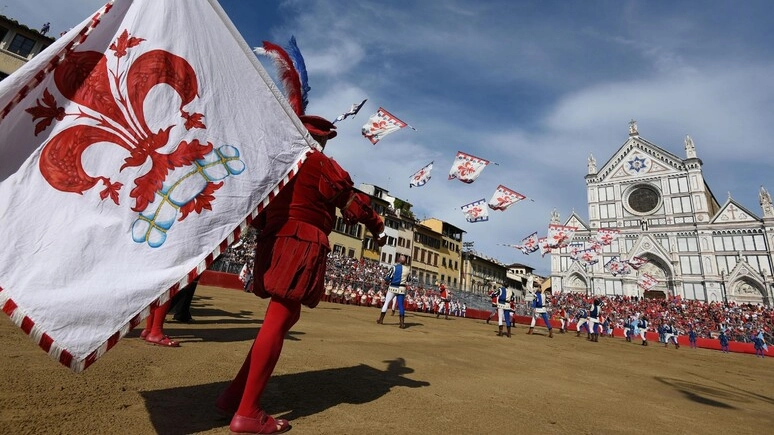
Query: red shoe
(163,341)
(264,424)
(144,333)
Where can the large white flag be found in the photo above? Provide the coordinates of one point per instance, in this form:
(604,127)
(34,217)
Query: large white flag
(647,282)
(421,177)
(504,197)
(606,236)
(380,124)
(467,167)
(134,150)
(476,211)
(560,236)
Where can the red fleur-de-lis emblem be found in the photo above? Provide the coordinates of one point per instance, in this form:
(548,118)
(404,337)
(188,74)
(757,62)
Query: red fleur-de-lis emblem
(379,125)
(111,109)
(465,169)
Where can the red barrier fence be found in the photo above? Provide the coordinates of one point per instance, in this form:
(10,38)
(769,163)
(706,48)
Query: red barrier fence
(231,281)
(221,279)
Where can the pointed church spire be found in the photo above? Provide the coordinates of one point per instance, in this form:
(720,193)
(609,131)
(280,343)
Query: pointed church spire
(633,128)
(766,206)
(592,165)
(690,148)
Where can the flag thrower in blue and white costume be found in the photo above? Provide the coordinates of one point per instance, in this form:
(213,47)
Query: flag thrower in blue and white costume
(505,298)
(539,309)
(396,278)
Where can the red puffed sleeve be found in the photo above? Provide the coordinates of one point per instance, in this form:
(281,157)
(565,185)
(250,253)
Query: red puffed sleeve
(337,187)
(359,209)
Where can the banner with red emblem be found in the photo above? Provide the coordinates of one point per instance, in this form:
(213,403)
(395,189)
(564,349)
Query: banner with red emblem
(134,150)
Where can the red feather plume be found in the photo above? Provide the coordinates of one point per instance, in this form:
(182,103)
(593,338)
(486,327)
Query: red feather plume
(287,74)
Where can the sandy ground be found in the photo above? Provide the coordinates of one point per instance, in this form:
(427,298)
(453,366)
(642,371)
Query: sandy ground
(341,373)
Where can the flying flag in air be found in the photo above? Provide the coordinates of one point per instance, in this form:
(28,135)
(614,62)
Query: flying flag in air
(647,282)
(129,161)
(476,211)
(529,244)
(545,247)
(380,124)
(466,167)
(589,255)
(504,197)
(637,262)
(421,177)
(559,235)
(351,112)
(605,236)
(574,248)
(617,267)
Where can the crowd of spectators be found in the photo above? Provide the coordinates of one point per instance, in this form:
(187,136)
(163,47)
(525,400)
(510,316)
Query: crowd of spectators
(740,321)
(361,282)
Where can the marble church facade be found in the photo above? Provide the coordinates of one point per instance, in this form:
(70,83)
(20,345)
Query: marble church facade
(697,247)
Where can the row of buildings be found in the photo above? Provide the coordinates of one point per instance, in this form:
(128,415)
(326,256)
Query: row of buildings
(434,249)
(697,247)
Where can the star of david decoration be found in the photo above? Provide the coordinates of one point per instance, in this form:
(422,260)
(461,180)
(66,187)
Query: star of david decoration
(637,164)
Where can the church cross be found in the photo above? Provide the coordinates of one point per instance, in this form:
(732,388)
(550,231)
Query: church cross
(731,209)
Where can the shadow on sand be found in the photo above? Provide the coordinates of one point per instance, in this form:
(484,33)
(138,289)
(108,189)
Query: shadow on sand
(290,396)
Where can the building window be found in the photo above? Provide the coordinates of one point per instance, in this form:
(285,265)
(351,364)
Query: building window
(21,45)
(351,253)
(753,242)
(690,265)
(606,194)
(606,211)
(678,185)
(681,204)
(613,287)
(643,199)
(687,244)
(694,291)
(726,262)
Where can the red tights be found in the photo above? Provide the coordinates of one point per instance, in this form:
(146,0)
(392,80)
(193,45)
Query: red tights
(251,380)
(154,325)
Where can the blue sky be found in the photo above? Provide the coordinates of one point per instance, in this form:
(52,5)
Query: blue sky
(535,86)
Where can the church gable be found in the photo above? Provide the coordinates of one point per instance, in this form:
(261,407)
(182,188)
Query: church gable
(638,158)
(646,246)
(733,212)
(575,221)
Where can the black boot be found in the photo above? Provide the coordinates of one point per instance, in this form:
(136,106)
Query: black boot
(500,331)
(381,318)
(550,333)
(402,324)
(509,332)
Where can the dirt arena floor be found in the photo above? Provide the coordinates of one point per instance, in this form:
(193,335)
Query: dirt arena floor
(341,373)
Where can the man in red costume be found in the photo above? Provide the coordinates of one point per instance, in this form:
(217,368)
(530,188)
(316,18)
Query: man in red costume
(445,300)
(290,260)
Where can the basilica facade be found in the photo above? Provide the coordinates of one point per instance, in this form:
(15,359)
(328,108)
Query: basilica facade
(695,246)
